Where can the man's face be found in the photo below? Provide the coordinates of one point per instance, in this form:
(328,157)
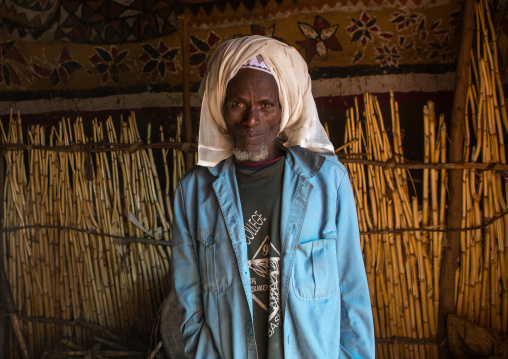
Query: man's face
(252,113)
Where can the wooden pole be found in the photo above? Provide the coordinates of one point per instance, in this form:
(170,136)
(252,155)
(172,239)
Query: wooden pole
(183,23)
(447,304)
(8,302)
(3,325)
(3,309)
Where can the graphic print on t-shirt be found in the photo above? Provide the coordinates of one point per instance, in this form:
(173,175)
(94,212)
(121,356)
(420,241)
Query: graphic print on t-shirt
(253,225)
(265,271)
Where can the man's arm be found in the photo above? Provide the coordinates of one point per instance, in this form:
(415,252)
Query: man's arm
(356,324)
(187,286)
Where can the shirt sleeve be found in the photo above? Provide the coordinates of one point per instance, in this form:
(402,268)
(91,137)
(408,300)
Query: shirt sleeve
(356,324)
(197,336)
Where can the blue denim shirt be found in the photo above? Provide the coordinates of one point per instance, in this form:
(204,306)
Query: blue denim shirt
(325,304)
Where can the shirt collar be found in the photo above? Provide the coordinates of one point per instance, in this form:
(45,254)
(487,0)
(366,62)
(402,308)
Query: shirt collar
(302,161)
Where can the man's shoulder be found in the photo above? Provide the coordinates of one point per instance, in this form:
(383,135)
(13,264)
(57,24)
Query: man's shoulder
(207,174)
(332,171)
(332,161)
(318,163)
(196,174)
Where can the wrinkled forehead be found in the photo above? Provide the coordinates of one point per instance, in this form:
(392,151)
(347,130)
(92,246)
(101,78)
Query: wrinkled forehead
(256,82)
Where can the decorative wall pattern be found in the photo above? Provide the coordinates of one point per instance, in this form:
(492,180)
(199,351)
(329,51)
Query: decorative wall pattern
(208,14)
(377,41)
(89,22)
(113,21)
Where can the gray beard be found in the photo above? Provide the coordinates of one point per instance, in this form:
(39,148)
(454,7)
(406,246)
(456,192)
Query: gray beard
(244,156)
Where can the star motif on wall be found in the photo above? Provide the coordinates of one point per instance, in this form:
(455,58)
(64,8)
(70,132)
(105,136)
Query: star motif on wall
(320,38)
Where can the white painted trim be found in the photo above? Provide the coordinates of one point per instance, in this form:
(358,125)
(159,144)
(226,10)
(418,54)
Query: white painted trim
(114,102)
(386,83)
(320,88)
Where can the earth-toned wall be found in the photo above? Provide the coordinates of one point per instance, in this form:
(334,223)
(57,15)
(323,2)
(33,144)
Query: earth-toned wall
(100,58)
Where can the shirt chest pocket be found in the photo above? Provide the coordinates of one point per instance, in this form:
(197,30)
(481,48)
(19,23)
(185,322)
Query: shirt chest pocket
(315,274)
(216,260)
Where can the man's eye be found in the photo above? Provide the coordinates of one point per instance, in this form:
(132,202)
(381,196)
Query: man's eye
(236,104)
(267,105)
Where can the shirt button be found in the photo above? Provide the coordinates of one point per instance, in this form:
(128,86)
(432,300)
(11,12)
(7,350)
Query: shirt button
(248,329)
(209,240)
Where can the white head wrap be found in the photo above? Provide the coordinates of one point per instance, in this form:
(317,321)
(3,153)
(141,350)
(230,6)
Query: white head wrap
(299,118)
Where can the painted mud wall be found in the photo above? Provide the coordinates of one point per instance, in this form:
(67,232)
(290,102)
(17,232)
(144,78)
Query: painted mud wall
(101,58)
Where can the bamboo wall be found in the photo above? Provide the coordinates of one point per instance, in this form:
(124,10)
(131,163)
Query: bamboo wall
(403,230)
(402,265)
(483,275)
(81,228)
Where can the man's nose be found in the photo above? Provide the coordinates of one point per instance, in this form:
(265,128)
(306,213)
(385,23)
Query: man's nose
(251,117)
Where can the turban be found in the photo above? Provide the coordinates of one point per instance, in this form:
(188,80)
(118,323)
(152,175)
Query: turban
(299,124)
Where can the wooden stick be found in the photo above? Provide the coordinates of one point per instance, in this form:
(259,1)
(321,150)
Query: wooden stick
(3,318)
(8,302)
(98,147)
(391,162)
(183,29)
(102,353)
(3,334)
(447,303)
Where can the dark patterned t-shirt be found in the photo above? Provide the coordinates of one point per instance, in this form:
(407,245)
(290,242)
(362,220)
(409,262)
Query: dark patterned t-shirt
(260,195)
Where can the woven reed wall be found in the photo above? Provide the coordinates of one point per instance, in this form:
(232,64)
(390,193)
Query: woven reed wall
(80,230)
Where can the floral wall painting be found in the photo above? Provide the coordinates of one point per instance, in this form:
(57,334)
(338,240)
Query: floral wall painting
(62,69)
(109,64)
(158,60)
(89,49)
(116,45)
(12,64)
(320,37)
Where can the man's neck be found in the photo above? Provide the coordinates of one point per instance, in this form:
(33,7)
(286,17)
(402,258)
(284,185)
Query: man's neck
(253,167)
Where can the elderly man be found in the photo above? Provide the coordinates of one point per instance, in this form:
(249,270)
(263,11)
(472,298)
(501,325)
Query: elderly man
(266,250)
